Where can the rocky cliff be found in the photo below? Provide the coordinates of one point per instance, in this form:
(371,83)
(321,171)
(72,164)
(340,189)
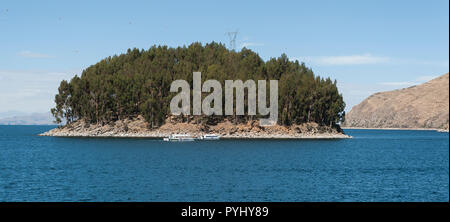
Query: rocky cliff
(420,106)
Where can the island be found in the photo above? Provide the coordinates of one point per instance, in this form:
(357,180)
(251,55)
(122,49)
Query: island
(128,95)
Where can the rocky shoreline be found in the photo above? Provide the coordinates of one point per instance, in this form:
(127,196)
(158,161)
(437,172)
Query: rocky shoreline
(429,129)
(443,130)
(138,128)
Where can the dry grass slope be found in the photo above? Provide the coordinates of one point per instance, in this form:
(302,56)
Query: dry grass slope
(421,106)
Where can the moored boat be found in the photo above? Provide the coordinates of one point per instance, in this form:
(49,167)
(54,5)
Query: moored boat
(210,137)
(179,137)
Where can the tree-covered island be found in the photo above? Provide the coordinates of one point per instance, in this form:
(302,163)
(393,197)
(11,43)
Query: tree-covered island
(120,91)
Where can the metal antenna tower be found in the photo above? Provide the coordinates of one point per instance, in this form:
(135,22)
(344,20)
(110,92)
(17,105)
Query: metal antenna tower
(232,37)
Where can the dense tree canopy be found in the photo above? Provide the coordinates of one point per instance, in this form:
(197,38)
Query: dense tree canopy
(138,83)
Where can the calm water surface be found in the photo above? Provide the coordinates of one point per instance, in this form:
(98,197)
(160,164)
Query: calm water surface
(376,165)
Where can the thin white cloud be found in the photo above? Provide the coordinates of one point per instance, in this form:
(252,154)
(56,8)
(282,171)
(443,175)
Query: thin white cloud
(362,59)
(365,59)
(422,79)
(397,83)
(419,80)
(353,60)
(34,55)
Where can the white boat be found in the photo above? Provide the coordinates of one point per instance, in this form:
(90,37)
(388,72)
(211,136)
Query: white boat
(210,137)
(179,137)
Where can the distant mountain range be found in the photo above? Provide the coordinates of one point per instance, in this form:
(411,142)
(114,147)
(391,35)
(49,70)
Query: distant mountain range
(420,106)
(30,119)
(11,113)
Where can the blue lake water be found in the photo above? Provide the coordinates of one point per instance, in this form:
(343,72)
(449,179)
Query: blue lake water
(376,165)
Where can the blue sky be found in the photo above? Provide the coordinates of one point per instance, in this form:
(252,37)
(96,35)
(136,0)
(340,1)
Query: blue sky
(368,46)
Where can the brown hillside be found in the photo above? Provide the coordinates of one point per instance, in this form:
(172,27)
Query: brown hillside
(421,106)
